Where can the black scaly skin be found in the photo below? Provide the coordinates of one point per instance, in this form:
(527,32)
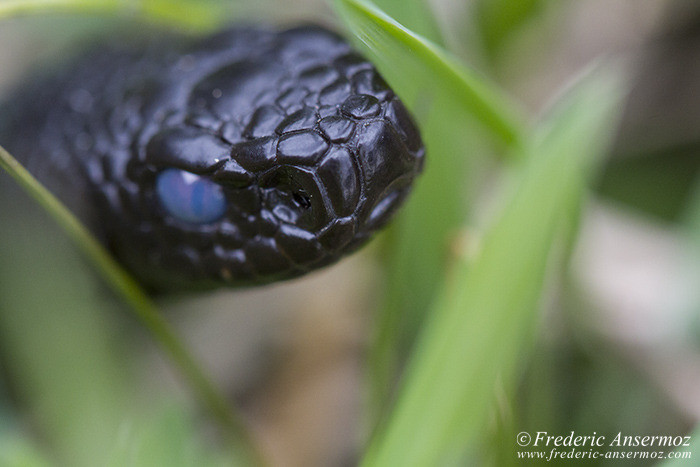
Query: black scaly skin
(314,151)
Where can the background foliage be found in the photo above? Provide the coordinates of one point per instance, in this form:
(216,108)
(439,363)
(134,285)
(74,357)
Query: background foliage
(481,328)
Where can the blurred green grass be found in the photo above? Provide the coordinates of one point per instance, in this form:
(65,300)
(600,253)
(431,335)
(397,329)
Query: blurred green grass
(464,324)
(200,15)
(483,321)
(450,115)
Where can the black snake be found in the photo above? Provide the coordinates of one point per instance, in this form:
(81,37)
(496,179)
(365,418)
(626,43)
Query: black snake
(246,157)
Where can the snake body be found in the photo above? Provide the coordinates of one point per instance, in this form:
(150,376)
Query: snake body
(243,158)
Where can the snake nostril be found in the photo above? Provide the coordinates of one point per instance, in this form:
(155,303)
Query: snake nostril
(292,194)
(302,199)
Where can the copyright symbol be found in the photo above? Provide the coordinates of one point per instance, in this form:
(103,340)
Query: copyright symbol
(523,438)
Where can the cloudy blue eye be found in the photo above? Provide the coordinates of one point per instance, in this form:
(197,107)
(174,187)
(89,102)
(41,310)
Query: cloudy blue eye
(189,197)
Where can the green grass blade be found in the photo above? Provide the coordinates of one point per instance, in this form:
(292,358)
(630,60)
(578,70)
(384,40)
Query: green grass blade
(143,308)
(168,436)
(692,227)
(415,66)
(685,453)
(419,243)
(203,15)
(416,15)
(454,105)
(58,337)
(482,323)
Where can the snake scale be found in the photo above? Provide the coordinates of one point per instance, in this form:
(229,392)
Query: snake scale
(246,157)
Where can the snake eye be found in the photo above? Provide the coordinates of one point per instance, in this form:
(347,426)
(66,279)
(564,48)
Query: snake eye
(189,197)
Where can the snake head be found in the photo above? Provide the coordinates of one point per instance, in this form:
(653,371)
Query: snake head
(284,156)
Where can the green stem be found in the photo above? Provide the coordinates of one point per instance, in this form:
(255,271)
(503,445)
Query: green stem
(142,307)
